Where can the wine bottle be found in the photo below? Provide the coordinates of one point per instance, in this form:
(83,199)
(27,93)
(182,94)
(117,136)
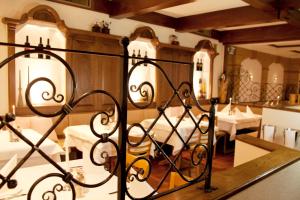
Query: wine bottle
(139,56)
(198,65)
(27,44)
(48,46)
(133,59)
(145,57)
(40,55)
(201,65)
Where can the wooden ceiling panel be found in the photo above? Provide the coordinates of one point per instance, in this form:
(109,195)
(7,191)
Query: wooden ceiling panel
(226,18)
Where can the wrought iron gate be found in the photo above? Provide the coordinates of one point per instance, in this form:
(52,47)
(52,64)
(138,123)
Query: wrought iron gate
(145,89)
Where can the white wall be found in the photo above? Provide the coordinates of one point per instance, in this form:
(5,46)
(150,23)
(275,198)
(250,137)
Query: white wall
(84,19)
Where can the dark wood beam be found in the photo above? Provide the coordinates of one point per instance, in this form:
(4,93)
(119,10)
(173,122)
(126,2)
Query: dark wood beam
(284,32)
(156,18)
(226,18)
(265,5)
(284,9)
(130,8)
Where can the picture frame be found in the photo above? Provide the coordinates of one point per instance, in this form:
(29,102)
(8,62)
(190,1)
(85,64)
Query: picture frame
(77,3)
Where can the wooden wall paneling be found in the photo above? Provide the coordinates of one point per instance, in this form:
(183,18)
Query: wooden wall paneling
(176,72)
(164,90)
(84,67)
(110,69)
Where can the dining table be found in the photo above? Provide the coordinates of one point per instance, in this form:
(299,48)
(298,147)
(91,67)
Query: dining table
(82,137)
(9,148)
(232,122)
(108,191)
(162,129)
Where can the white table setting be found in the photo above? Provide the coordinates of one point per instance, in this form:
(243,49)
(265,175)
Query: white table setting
(27,176)
(230,120)
(10,147)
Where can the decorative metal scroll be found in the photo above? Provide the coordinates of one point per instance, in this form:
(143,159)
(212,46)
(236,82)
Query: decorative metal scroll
(201,154)
(67,177)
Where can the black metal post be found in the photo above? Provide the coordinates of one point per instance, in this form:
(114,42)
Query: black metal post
(207,185)
(123,124)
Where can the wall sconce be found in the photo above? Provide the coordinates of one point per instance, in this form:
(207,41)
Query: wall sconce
(251,76)
(275,78)
(231,50)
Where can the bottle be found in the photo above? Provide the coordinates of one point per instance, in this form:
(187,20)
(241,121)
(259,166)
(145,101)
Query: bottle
(27,44)
(201,65)
(200,88)
(48,46)
(133,59)
(198,65)
(139,56)
(145,58)
(40,55)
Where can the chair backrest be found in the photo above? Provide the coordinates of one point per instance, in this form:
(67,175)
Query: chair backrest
(176,180)
(269,132)
(140,164)
(143,149)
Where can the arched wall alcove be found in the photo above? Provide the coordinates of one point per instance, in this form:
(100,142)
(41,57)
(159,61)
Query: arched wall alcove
(250,80)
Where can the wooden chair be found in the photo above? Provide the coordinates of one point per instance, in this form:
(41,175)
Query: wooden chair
(142,150)
(140,164)
(176,180)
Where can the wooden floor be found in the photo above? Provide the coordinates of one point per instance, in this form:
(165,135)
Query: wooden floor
(220,162)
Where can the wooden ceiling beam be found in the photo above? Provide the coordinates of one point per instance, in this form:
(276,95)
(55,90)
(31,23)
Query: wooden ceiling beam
(157,19)
(286,9)
(284,32)
(226,18)
(129,8)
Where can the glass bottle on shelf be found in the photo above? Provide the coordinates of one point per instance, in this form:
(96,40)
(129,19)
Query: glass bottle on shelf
(48,46)
(133,59)
(145,57)
(40,55)
(27,44)
(139,56)
(200,87)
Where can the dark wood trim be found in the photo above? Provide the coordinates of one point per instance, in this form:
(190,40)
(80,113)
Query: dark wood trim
(145,32)
(126,8)
(74,4)
(295,51)
(225,18)
(284,32)
(285,46)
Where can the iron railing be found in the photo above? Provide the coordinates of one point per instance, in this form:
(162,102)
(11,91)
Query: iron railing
(145,89)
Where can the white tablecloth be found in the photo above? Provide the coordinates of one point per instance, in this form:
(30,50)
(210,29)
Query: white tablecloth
(9,149)
(27,176)
(82,138)
(162,129)
(232,123)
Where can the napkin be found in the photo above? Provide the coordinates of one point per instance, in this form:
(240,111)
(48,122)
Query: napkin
(238,113)
(226,109)
(5,170)
(269,132)
(289,137)
(249,111)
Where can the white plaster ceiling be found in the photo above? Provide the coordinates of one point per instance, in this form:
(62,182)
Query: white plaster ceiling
(201,6)
(206,6)
(266,48)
